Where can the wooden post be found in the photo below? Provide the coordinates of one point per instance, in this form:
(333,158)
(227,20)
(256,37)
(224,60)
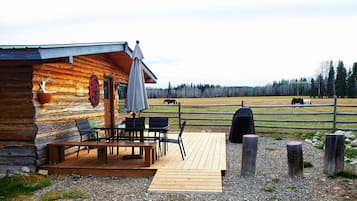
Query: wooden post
(102,154)
(249,154)
(334,154)
(295,159)
(334,113)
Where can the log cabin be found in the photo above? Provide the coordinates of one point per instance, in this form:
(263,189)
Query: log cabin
(45,88)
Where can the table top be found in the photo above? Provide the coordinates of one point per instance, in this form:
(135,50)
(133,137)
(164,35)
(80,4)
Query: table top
(122,126)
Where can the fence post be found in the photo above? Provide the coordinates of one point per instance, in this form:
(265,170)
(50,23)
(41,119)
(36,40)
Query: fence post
(179,113)
(249,154)
(334,154)
(295,159)
(334,113)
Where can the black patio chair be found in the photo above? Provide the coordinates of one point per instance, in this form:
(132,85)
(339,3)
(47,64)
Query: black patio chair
(158,125)
(85,132)
(177,141)
(133,126)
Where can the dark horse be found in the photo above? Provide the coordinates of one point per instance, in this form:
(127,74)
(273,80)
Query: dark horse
(169,101)
(297,101)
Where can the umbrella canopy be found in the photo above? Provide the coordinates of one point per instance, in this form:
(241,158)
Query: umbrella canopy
(137,99)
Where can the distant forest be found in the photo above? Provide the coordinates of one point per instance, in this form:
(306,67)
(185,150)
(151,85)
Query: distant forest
(334,79)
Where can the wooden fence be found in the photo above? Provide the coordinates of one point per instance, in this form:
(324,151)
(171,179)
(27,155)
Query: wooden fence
(328,117)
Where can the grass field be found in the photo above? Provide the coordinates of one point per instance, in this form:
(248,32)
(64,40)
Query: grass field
(224,104)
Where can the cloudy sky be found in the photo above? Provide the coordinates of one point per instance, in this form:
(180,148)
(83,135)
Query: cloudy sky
(225,42)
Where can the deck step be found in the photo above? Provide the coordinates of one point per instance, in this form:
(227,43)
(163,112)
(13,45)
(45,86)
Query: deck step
(186,180)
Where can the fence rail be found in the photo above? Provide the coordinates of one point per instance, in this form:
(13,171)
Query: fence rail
(321,117)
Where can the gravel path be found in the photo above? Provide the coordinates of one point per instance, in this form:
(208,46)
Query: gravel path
(271,181)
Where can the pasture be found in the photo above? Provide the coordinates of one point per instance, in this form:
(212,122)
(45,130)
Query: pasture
(223,108)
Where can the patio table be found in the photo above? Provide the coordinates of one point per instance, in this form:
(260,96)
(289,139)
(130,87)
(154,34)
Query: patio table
(142,138)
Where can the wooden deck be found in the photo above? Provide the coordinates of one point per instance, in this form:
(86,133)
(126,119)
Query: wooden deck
(205,164)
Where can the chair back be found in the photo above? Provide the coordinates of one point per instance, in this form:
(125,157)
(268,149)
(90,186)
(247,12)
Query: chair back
(83,127)
(181,129)
(135,123)
(158,122)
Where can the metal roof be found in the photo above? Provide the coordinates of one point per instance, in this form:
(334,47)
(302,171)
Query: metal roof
(54,51)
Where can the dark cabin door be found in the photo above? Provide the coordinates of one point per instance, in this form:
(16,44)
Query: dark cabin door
(108,102)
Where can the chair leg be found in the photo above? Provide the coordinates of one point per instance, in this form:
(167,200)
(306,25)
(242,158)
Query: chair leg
(183,148)
(181,151)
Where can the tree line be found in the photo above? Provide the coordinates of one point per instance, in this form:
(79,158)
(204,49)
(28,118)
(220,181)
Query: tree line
(333,79)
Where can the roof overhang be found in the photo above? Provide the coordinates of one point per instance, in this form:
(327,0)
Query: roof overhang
(25,54)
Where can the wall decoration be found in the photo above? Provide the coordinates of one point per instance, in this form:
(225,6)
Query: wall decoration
(94,90)
(44,96)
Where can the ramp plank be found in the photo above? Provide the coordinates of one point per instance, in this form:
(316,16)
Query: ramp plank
(185,180)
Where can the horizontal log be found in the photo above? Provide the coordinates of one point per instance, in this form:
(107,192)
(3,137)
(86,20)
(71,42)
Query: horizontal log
(16,76)
(17,107)
(70,117)
(18,69)
(6,120)
(16,100)
(65,115)
(19,126)
(16,143)
(51,126)
(57,133)
(17,160)
(29,152)
(19,93)
(63,136)
(41,161)
(13,84)
(19,135)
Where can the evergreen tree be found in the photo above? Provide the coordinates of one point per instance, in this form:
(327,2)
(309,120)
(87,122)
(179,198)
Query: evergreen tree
(341,84)
(354,75)
(169,91)
(331,81)
(321,90)
(313,88)
(351,91)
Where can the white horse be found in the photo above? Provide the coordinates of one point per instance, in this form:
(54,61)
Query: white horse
(307,101)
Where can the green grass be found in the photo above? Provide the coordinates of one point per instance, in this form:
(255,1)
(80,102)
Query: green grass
(291,188)
(348,173)
(75,194)
(269,189)
(276,180)
(308,164)
(350,153)
(21,185)
(271,149)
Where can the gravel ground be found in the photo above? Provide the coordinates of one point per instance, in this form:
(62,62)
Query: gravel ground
(271,181)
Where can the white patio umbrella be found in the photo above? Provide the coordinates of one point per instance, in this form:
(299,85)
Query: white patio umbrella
(137,99)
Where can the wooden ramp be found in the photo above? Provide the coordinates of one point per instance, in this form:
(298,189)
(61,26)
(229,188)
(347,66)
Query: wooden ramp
(169,180)
(201,170)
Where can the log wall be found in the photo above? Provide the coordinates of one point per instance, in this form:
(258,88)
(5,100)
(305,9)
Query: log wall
(17,127)
(26,126)
(55,120)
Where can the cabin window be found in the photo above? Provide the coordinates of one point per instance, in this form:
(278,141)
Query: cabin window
(122,89)
(105,86)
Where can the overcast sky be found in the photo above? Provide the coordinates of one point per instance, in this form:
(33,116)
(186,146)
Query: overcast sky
(225,42)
